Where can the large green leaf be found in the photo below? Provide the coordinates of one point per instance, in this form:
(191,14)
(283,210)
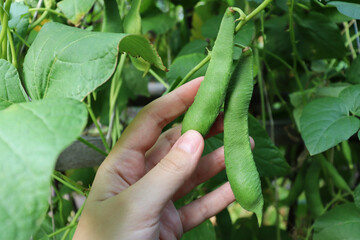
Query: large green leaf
(341,222)
(349,9)
(75,10)
(325,122)
(32,135)
(351,97)
(313,33)
(11,90)
(69,62)
(270,162)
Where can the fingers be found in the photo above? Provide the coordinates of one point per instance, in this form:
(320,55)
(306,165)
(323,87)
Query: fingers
(209,166)
(205,207)
(159,185)
(145,129)
(168,139)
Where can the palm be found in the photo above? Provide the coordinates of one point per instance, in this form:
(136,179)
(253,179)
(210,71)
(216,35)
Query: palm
(136,186)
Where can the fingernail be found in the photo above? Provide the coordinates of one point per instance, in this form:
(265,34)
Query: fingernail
(189,142)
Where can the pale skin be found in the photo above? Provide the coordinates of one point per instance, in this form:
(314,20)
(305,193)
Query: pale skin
(134,190)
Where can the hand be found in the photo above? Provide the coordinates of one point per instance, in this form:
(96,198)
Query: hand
(134,189)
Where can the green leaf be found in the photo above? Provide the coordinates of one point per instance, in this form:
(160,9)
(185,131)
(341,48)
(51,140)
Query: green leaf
(357,196)
(11,90)
(351,97)
(75,10)
(69,62)
(313,33)
(269,161)
(135,80)
(32,135)
(353,72)
(159,23)
(195,46)
(19,20)
(349,9)
(325,122)
(211,27)
(204,231)
(341,222)
(19,15)
(111,19)
(182,65)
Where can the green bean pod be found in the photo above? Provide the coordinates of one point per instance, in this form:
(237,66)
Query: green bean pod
(296,188)
(331,171)
(210,96)
(240,166)
(312,191)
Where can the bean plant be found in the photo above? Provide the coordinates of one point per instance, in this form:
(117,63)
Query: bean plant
(285,72)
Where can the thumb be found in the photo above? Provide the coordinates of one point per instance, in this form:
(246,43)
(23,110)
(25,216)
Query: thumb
(161,183)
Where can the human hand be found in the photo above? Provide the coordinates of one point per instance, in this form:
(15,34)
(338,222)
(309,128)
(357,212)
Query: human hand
(134,189)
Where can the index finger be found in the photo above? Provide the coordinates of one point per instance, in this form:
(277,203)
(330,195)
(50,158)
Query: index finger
(146,127)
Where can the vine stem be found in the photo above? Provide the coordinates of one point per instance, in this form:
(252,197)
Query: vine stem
(90,145)
(93,118)
(348,39)
(243,21)
(4,25)
(194,70)
(116,83)
(158,78)
(293,45)
(12,49)
(73,222)
(261,7)
(66,183)
(47,9)
(37,21)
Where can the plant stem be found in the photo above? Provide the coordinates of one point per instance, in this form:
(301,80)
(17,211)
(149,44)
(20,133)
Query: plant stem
(261,7)
(47,9)
(4,27)
(237,28)
(92,115)
(357,36)
(194,70)
(12,48)
(37,21)
(89,144)
(293,44)
(59,231)
(69,185)
(73,222)
(348,39)
(60,204)
(158,78)
(278,58)
(116,83)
